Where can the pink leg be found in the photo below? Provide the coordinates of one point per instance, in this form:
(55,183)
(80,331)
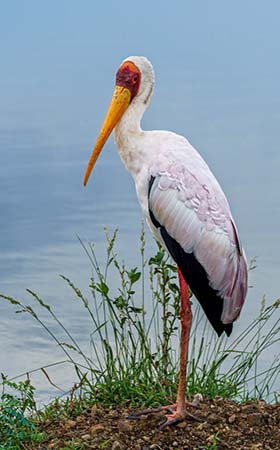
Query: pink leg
(178,410)
(186,321)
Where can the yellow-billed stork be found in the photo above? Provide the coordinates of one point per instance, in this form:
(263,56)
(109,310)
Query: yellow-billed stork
(185,208)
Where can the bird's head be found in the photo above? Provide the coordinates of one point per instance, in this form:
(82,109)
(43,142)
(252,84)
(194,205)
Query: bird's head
(134,82)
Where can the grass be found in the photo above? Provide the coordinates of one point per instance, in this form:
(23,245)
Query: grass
(17,401)
(213,445)
(133,356)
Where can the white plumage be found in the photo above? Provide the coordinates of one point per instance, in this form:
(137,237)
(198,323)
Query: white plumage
(186,198)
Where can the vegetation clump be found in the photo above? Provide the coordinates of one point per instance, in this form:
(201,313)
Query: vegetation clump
(133,359)
(16,402)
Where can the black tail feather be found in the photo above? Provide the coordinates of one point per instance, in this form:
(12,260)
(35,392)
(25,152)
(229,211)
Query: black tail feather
(197,279)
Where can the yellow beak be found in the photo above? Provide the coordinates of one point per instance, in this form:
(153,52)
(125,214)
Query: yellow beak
(119,103)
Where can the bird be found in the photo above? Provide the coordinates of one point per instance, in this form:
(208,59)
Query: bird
(185,208)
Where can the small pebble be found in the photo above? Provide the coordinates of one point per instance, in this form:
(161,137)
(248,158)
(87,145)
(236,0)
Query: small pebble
(232,418)
(248,409)
(70,423)
(117,446)
(220,401)
(95,411)
(214,418)
(125,426)
(254,419)
(197,399)
(97,428)
(86,437)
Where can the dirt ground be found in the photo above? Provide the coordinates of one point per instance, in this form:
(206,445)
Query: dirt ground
(250,426)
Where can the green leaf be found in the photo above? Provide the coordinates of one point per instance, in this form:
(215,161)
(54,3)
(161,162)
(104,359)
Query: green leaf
(133,275)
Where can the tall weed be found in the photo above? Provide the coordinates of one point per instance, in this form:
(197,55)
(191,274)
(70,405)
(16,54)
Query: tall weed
(134,340)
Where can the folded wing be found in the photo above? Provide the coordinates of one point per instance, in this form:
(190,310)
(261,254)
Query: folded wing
(195,224)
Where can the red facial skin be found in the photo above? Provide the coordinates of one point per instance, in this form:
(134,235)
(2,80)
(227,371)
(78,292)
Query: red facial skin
(129,76)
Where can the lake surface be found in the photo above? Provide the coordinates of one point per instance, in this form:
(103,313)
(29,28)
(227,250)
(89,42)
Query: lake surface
(223,94)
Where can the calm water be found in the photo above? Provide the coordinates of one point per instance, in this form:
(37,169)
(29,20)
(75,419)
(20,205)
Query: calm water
(217,82)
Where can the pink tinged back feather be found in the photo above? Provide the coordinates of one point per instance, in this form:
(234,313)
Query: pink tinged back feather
(199,219)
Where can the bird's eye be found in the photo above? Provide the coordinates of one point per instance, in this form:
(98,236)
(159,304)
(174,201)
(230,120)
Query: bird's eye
(134,79)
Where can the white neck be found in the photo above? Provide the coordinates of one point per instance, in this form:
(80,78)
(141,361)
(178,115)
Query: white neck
(128,133)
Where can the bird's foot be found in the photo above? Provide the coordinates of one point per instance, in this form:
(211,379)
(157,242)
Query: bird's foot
(177,414)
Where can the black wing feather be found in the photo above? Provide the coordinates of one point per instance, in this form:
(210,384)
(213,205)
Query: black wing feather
(196,277)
